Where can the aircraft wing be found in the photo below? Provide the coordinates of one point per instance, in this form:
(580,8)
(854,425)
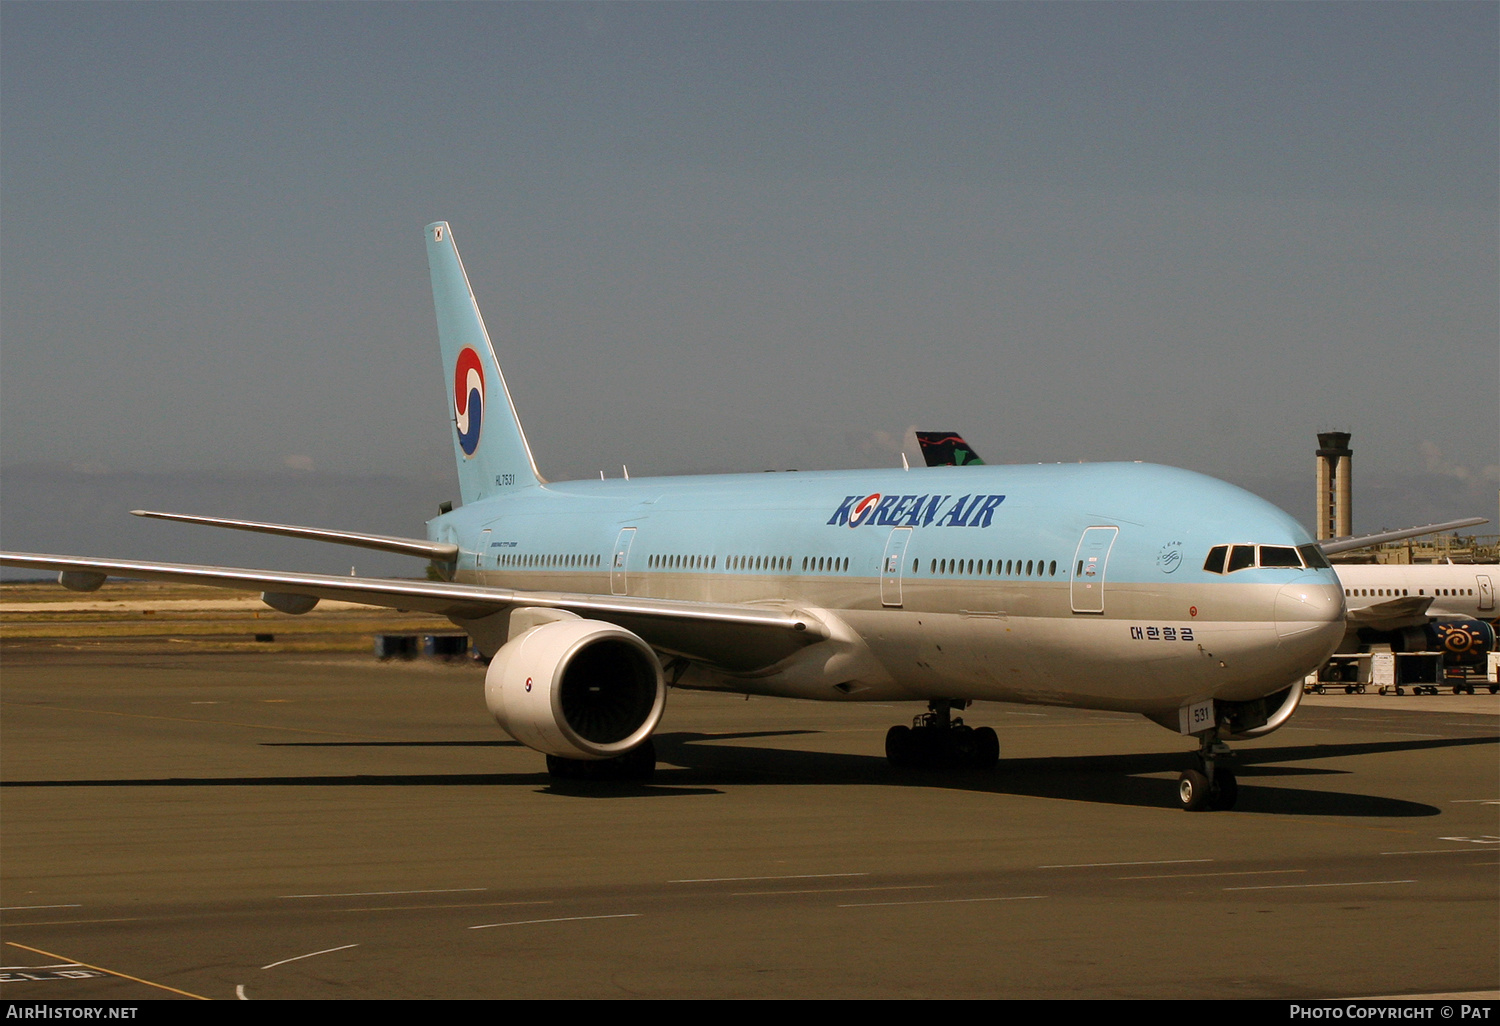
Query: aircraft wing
(744,637)
(1361,541)
(1393,614)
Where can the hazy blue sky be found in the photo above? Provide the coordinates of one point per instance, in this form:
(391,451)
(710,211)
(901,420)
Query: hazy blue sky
(738,237)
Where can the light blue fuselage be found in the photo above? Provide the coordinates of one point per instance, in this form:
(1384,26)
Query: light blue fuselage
(1009,603)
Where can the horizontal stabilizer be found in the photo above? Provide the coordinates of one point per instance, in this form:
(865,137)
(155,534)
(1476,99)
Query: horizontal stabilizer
(444,552)
(1362,541)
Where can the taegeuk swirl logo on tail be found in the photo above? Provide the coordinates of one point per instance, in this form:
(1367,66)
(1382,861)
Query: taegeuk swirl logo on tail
(468,399)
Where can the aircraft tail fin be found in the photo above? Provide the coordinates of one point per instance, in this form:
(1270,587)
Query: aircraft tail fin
(947,449)
(488,442)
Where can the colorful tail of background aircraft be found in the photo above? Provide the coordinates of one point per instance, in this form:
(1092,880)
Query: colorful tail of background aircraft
(947,449)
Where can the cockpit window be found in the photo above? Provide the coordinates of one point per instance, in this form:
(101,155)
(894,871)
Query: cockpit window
(1280,556)
(1226,559)
(1241,557)
(1313,557)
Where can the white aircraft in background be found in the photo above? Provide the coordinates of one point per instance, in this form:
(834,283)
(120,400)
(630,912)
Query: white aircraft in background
(1389,596)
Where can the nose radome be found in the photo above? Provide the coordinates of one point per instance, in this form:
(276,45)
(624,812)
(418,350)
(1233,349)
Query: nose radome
(1303,607)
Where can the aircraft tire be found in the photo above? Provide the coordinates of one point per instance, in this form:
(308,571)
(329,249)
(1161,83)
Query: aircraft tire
(986,748)
(637,766)
(899,745)
(962,748)
(1193,791)
(559,768)
(1226,791)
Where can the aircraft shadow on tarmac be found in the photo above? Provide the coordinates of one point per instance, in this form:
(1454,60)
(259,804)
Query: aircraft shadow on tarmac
(392,744)
(700,764)
(1110,779)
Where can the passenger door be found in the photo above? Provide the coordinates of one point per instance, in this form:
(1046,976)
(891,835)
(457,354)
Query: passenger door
(482,550)
(1088,567)
(890,566)
(620,560)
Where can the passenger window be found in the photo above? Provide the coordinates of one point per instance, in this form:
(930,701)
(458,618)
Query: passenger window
(1241,557)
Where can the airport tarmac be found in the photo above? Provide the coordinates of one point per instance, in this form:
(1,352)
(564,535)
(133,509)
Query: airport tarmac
(294,825)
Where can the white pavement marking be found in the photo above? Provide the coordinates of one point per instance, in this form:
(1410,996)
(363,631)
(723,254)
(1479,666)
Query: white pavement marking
(382,894)
(110,972)
(565,919)
(832,890)
(310,954)
(239,992)
(1103,865)
(1190,876)
(428,908)
(746,879)
(37,968)
(944,901)
(1352,883)
(28,908)
(1431,851)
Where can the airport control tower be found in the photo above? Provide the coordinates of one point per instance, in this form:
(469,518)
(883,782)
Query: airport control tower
(1335,496)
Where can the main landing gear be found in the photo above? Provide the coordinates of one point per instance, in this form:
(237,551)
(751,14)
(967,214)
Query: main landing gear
(1211,785)
(940,740)
(636,766)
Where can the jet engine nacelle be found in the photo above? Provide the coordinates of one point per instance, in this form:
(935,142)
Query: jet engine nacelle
(1463,642)
(579,689)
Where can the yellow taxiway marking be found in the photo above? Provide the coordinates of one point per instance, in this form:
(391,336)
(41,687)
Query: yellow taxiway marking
(111,972)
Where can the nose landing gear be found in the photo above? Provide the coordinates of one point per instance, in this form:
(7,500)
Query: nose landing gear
(939,740)
(1209,786)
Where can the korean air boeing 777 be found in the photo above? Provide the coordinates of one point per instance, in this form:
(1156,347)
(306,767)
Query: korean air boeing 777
(1072,584)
